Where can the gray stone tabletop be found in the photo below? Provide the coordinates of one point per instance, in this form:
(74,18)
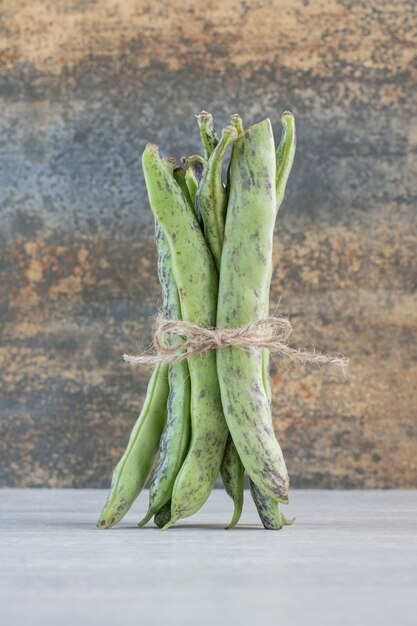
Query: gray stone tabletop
(350,559)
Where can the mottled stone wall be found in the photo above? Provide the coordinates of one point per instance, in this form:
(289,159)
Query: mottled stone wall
(83,86)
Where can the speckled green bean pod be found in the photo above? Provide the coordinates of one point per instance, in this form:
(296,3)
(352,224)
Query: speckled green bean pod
(196,278)
(244,284)
(176,434)
(208,134)
(212,202)
(271,516)
(268,508)
(284,158)
(231,469)
(195,167)
(196,164)
(211,198)
(133,469)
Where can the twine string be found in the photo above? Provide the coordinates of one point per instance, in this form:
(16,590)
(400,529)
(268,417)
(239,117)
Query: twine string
(272,333)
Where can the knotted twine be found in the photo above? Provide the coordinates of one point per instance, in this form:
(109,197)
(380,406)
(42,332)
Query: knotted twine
(272,333)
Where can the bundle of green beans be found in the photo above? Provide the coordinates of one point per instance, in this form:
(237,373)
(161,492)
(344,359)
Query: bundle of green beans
(210,413)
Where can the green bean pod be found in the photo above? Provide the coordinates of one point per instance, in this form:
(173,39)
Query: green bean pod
(236,121)
(196,278)
(192,184)
(195,165)
(214,195)
(211,198)
(180,177)
(207,133)
(232,470)
(163,516)
(285,155)
(233,473)
(133,469)
(268,508)
(212,201)
(271,516)
(176,434)
(244,284)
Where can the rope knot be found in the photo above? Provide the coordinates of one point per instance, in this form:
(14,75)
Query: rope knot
(175,340)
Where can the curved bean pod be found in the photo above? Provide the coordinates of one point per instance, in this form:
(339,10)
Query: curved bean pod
(133,469)
(244,284)
(196,164)
(232,473)
(197,285)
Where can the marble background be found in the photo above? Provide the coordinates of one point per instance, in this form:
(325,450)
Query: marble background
(84,85)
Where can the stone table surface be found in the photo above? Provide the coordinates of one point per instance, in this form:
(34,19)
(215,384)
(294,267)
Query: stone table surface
(350,559)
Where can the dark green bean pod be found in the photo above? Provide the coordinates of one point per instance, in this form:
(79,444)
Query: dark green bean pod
(163,516)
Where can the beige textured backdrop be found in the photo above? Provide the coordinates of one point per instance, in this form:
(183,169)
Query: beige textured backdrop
(83,86)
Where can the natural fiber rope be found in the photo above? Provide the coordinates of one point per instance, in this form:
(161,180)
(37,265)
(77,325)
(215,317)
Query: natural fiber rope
(272,333)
